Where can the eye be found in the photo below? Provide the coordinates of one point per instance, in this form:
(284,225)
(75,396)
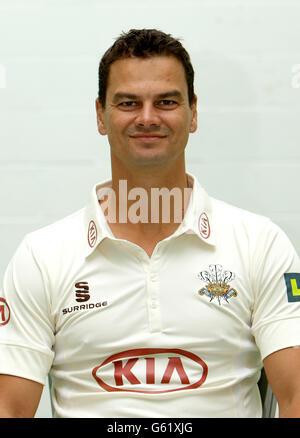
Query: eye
(167,103)
(128,104)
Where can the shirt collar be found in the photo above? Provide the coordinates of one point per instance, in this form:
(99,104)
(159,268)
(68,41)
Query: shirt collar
(95,224)
(197,219)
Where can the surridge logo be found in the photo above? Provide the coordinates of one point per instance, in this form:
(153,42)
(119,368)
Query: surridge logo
(82,294)
(82,291)
(147,370)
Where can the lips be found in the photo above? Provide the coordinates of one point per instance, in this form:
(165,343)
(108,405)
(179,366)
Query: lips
(148,137)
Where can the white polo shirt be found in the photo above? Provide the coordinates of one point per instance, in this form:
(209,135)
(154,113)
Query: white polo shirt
(180,334)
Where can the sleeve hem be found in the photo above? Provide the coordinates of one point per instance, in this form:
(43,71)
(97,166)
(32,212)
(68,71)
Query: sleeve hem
(25,362)
(277,335)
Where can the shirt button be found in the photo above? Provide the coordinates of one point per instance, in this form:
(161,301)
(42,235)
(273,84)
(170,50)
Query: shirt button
(153,277)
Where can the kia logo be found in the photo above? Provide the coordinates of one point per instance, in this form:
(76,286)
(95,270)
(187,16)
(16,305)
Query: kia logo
(92,234)
(204,226)
(143,369)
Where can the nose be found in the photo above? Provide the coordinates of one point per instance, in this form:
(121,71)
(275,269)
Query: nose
(147,116)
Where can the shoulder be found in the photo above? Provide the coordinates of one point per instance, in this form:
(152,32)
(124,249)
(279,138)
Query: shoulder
(229,215)
(60,236)
(245,228)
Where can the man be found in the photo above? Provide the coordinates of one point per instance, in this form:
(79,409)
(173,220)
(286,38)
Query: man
(143,306)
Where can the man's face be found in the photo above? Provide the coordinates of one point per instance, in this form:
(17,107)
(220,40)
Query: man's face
(147,116)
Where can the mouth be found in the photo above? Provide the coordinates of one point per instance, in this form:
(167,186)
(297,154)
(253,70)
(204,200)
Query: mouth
(145,138)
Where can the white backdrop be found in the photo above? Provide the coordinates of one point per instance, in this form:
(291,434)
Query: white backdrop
(246,56)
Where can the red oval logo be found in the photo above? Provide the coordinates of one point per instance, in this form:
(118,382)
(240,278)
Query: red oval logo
(143,368)
(4,312)
(204,226)
(92,234)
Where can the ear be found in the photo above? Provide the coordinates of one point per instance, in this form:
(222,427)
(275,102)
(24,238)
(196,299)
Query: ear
(193,125)
(100,118)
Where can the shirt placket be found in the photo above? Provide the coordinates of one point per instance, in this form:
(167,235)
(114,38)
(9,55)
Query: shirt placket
(151,267)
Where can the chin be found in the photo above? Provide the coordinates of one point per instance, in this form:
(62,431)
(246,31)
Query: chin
(153,160)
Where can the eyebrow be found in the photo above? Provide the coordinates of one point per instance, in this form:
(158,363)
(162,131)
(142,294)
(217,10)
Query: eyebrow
(172,93)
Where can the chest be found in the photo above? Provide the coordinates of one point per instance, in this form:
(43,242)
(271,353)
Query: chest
(127,321)
(181,292)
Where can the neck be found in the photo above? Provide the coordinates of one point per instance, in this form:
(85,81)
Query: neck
(150,198)
(169,176)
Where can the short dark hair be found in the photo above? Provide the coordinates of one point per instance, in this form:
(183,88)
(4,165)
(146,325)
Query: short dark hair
(144,43)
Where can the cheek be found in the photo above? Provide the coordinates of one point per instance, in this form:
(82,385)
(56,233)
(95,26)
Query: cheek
(181,126)
(119,126)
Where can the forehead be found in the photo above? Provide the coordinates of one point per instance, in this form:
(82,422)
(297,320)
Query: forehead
(138,74)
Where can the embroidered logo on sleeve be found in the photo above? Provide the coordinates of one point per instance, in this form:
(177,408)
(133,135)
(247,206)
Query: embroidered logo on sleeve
(292,282)
(217,285)
(4,312)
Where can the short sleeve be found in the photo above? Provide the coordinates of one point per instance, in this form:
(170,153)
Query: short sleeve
(276,279)
(26,325)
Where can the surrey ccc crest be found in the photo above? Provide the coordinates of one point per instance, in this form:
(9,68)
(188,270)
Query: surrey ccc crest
(217,285)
